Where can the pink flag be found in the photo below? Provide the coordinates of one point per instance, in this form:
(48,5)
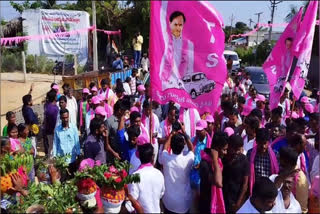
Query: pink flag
(302,47)
(186,53)
(278,64)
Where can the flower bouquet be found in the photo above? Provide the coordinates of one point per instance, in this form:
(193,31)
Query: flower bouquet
(20,163)
(112,180)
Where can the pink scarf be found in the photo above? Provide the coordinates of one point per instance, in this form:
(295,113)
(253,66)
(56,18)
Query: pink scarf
(107,92)
(143,121)
(273,160)
(192,122)
(81,111)
(169,60)
(108,109)
(15,144)
(145,165)
(217,201)
(144,132)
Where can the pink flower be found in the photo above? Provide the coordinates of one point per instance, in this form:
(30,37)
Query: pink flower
(107,175)
(123,173)
(98,163)
(112,169)
(118,180)
(86,163)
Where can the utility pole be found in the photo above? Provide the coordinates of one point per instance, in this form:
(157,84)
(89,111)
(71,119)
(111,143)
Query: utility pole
(273,7)
(95,49)
(250,21)
(258,14)
(231,18)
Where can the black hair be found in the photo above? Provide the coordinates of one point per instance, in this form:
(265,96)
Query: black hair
(300,122)
(119,105)
(252,122)
(103,82)
(235,141)
(128,79)
(277,111)
(119,89)
(62,111)
(146,104)
(219,140)
(63,98)
(288,154)
(4,141)
(145,153)
(176,14)
(53,84)
(21,127)
(262,135)
(289,39)
(92,84)
(295,139)
(234,112)
(11,127)
(264,189)
(133,131)
(51,96)
(171,108)
(177,143)
(134,115)
(26,99)
(241,100)
(314,116)
(65,85)
(257,113)
(94,125)
(227,105)
(9,114)
(89,96)
(134,70)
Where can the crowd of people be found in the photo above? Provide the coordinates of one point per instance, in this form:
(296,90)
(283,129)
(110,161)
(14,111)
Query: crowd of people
(243,158)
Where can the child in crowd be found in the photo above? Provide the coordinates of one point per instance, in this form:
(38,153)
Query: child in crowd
(11,118)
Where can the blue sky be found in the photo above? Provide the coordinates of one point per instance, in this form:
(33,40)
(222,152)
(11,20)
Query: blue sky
(242,10)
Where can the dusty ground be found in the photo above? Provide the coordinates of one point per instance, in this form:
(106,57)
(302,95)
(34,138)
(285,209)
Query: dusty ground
(13,89)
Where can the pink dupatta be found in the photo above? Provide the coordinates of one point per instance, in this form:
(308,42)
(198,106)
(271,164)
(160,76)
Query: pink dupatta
(143,121)
(192,122)
(217,201)
(273,160)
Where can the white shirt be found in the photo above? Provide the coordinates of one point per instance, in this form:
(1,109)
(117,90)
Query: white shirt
(145,63)
(279,207)
(104,93)
(156,129)
(127,89)
(135,163)
(315,168)
(89,115)
(150,189)
(176,170)
(247,207)
(254,105)
(187,120)
(72,107)
(247,145)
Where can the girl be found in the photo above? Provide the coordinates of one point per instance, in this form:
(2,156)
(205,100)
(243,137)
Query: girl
(14,141)
(11,118)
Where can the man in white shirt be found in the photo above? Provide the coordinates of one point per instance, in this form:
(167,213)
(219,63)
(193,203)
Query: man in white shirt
(151,188)
(251,125)
(72,104)
(145,63)
(105,90)
(263,197)
(176,169)
(186,116)
(126,86)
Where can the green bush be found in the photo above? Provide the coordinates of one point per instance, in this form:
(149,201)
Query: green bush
(39,64)
(246,55)
(11,61)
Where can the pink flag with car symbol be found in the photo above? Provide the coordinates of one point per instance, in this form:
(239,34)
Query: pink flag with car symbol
(278,64)
(186,53)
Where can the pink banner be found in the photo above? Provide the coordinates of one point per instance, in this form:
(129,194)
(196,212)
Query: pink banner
(186,53)
(302,48)
(278,64)
(18,39)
